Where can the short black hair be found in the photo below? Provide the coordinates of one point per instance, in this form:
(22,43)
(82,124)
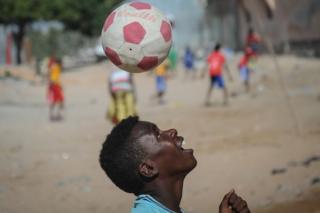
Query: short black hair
(59,61)
(250,31)
(121,155)
(217,47)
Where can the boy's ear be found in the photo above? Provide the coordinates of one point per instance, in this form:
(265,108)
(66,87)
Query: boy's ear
(148,169)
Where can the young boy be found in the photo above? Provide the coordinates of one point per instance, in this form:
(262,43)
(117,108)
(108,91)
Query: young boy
(122,102)
(253,41)
(244,67)
(55,92)
(151,163)
(216,62)
(161,74)
(173,59)
(188,61)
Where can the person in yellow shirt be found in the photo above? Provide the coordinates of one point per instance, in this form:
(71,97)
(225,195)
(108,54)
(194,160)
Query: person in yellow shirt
(122,102)
(161,73)
(55,92)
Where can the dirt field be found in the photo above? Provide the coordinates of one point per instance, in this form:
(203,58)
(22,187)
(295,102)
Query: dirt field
(252,145)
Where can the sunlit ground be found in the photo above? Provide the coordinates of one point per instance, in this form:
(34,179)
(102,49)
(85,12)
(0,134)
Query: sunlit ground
(252,145)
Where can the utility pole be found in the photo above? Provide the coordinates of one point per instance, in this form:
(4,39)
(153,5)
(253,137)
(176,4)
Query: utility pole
(237,24)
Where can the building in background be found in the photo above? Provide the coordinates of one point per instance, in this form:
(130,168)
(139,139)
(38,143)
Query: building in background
(289,25)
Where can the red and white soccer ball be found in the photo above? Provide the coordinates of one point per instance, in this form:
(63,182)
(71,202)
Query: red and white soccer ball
(136,37)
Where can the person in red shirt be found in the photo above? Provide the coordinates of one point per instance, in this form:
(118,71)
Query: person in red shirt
(253,41)
(244,67)
(216,62)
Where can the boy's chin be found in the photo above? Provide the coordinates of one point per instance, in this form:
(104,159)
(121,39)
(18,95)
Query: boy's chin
(192,165)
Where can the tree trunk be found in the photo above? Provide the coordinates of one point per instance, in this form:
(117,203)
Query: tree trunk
(19,40)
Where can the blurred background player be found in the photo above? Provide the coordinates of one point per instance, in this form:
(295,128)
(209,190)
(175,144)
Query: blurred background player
(161,74)
(173,59)
(188,61)
(55,92)
(216,62)
(253,41)
(122,96)
(244,69)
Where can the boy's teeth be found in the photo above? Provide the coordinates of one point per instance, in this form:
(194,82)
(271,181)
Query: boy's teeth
(183,142)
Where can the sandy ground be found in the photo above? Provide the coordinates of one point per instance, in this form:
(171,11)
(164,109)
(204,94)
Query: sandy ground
(53,166)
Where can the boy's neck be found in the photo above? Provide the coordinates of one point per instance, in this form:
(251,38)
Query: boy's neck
(167,192)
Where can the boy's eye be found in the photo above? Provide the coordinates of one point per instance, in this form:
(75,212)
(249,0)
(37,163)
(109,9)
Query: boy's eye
(158,134)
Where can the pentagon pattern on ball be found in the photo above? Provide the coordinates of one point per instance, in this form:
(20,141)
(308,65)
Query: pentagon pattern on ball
(148,62)
(134,33)
(165,30)
(113,56)
(140,5)
(109,21)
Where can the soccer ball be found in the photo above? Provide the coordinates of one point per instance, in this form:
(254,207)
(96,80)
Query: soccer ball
(136,37)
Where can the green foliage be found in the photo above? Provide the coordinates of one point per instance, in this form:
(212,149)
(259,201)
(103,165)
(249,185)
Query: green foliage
(86,16)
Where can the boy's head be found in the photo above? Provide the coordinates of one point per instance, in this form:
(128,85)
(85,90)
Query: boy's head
(250,31)
(248,51)
(137,153)
(217,47)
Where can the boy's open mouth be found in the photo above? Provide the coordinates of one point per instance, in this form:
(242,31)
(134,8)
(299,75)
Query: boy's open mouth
(180,142)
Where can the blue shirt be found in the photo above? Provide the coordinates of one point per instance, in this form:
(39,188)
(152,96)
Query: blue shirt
(147,204)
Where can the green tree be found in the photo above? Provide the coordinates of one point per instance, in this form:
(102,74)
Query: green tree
(86,16)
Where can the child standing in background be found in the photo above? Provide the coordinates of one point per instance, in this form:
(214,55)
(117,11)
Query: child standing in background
(122,102)
(216,62)
(55,91)
(244,69)
(161,74)
(188,60)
